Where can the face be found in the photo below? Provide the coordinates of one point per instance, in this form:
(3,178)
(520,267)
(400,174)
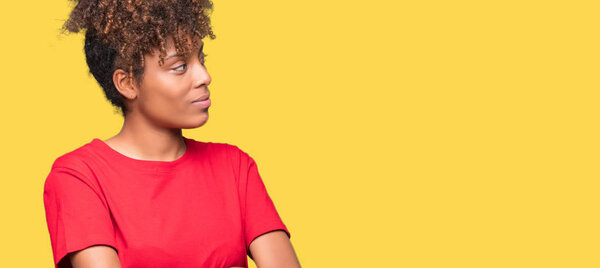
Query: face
(175,95)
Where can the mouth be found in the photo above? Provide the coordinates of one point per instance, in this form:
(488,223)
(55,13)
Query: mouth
(203,98)
(203,102)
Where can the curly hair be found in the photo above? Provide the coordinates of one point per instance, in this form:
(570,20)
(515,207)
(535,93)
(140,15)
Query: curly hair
(118,33)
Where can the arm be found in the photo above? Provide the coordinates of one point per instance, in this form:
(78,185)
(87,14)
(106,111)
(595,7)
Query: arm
(77,215)
(273,249)
(97,256)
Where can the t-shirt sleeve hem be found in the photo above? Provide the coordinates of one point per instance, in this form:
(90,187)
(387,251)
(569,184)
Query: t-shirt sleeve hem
(64,253)
(274,226)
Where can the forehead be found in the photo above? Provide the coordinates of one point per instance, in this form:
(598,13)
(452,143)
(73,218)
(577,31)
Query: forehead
(153,58)
(170,42)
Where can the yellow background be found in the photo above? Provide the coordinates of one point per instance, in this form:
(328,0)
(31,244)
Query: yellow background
(388,133)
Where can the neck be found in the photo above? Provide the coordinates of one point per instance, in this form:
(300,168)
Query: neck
(141,139)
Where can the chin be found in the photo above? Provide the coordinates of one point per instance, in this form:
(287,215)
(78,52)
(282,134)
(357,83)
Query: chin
(198,121)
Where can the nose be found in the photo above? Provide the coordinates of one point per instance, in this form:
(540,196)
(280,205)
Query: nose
(200,75)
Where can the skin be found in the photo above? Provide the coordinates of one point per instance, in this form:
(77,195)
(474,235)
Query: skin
(160,105)
(272,250)
(158,108)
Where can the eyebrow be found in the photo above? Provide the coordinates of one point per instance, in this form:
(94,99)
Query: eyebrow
(181,55)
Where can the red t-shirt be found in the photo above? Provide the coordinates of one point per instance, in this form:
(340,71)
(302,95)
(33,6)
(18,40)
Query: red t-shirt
(200,210)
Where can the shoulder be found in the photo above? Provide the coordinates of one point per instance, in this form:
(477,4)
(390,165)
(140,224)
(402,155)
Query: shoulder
(73,164)
(76,159)
(229,154)
(217,148)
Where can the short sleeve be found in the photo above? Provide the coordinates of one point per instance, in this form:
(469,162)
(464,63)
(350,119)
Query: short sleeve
(260,214)
(76,214)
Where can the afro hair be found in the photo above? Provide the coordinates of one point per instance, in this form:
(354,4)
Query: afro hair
(118,33)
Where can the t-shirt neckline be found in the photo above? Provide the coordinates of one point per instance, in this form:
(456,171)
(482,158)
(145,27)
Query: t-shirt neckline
(150,165)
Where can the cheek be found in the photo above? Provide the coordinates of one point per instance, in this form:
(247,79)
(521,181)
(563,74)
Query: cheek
(164,95)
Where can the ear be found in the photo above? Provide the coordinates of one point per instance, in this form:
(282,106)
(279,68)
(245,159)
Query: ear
(125,84)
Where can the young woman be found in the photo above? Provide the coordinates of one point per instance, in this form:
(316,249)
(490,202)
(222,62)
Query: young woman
(148,196)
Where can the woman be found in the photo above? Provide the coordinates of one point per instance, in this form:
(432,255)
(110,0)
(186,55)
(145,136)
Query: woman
(150,197)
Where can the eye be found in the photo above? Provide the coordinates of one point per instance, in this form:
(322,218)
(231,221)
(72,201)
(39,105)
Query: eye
(203,58)
(180,66)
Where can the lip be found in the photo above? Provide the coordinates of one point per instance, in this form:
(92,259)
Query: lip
(203,98)
(202,103)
